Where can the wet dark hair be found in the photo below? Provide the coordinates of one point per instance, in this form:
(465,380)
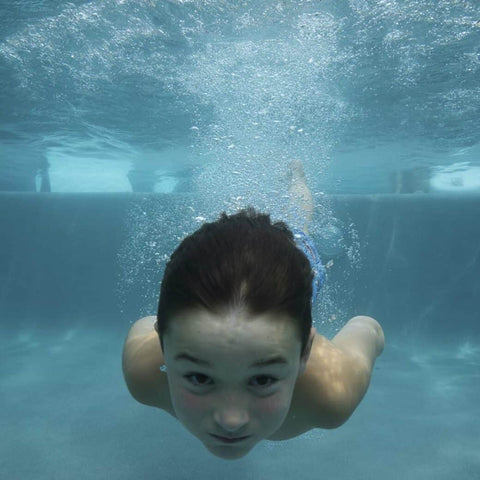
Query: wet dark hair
(239,261)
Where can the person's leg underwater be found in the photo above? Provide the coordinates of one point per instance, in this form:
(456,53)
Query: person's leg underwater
(301,200)
(300,195)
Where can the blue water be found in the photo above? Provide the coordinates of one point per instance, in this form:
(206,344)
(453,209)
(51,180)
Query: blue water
(146,92)
(125,124)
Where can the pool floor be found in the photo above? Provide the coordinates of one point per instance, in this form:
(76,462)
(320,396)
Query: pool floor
(65,413)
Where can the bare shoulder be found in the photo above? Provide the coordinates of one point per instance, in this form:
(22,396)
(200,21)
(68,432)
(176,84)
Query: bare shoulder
(339,380)
(335,380)
(141,327)
(138,359)
(141,361)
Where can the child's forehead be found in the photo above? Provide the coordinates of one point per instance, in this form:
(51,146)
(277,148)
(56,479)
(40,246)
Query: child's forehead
(233,320)
(234,330)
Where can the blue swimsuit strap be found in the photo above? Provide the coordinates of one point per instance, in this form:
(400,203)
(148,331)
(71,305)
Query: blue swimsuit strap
(306,245)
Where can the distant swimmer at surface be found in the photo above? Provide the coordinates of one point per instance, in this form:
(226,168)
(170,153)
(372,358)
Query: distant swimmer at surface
(232,353)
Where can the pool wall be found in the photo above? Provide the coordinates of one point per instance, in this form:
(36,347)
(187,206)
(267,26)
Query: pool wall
(419,273)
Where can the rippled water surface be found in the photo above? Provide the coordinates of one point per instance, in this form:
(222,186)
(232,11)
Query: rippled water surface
(156,93)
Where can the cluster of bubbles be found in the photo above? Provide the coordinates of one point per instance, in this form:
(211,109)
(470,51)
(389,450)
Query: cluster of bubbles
(249,86)
(378,67)
(154,226)
(264,96)
(272,101)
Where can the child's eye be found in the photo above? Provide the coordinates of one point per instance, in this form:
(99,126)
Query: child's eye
(197,379)
(264,381)
(201,380)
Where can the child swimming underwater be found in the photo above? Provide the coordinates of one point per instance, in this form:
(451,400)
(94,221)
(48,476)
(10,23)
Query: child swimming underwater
(232,353)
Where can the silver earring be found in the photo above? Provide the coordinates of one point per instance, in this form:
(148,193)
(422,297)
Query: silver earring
(163,368)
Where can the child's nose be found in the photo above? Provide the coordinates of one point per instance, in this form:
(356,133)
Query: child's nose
(231,418)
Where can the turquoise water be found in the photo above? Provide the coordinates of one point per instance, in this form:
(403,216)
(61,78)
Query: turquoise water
(124,95)
(124,125)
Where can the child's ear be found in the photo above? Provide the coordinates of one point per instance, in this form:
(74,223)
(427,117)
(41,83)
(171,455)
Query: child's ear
(308,350)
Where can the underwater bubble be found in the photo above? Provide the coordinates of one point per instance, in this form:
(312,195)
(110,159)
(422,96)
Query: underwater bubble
(330,241)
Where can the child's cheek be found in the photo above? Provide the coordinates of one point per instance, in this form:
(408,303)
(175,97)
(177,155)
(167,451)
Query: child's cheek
(270,406)
(189,401)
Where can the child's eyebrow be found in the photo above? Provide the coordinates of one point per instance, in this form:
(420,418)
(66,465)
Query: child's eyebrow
(278,359)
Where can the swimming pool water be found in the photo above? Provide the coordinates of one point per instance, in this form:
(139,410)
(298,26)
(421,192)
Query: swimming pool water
(124,125)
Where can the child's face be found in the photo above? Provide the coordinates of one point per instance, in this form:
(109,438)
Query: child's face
(215,386)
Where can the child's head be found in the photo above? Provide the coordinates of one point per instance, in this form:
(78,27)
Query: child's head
(234,321)
(241,261)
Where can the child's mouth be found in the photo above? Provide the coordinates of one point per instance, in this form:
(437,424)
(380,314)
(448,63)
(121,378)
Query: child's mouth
(229,440)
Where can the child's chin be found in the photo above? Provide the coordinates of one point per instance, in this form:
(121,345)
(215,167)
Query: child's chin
(228,452)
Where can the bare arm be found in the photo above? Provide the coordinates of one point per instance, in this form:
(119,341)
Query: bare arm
(356,347)
(336,378)
(141,361)
(362,337)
